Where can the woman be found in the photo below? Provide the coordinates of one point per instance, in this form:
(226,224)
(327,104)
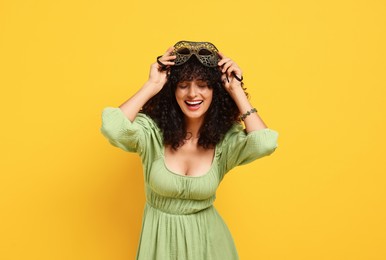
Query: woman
(185,124)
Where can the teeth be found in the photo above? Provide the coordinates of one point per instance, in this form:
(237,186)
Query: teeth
(193,102)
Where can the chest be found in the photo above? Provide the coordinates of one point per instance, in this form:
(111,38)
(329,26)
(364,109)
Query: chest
(189,160)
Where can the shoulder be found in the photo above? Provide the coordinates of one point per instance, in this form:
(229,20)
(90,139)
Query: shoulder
(237,137)
(146,120)
(114,120)
(148,127)
(236,130)
(230,137)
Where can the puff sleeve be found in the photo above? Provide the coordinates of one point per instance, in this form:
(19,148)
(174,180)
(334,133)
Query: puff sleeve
(239,147)
(124,134)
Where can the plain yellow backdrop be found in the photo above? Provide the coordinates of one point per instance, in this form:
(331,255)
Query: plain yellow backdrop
(315,70)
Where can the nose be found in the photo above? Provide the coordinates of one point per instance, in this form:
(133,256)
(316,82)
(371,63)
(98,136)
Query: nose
(192,91)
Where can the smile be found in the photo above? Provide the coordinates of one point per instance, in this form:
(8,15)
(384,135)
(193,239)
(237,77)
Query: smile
(194,105)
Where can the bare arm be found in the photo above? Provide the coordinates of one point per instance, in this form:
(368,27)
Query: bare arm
(132,106)
(253,121)
(153,85)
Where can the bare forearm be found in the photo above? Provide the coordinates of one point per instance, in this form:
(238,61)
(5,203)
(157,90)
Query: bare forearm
(156,81)
(132,106)
(252,122)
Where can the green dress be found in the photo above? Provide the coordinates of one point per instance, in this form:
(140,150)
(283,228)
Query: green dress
(179,220)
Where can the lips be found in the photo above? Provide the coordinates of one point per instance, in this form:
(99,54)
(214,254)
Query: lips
(193,104)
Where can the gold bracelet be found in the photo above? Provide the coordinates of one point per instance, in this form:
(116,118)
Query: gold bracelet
(243,116)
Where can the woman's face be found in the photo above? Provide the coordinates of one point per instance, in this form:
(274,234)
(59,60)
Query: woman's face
(194,98)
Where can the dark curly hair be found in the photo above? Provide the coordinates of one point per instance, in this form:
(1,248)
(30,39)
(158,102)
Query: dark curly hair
(165,111)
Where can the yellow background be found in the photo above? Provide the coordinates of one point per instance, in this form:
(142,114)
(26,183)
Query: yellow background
(315,70)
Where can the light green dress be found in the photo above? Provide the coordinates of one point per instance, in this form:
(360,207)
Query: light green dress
(179,220)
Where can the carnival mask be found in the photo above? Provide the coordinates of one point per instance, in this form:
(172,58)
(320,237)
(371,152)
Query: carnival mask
(205,52)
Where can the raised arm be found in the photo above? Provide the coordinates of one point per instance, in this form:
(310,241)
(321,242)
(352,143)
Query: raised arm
(233,86)
(156,81)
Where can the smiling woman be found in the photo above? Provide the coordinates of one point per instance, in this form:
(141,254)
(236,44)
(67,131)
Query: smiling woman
(176,105)
(194,98)
(185,124)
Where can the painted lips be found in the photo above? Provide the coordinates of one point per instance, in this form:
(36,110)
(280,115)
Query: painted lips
(193,105)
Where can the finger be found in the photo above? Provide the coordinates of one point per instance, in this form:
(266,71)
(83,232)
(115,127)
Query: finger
(168,58)
(232,67)
(238,77)
(238,72)
(230,72)
(169,50)
(234,70)
(222,61)
(163,65)
(226,66)
(168,62)
(224,80)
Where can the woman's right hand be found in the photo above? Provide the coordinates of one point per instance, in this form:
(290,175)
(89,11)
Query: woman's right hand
(158,75)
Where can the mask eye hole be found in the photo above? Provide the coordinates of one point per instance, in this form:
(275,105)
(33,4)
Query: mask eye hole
(184,51)
(205,52)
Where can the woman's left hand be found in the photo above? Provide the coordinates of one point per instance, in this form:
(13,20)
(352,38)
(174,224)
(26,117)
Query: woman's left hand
(228,67)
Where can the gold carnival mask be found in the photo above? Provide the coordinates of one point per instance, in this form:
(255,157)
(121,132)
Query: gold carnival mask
(205,52)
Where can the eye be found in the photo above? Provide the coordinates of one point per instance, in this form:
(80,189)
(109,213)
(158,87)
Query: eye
(201,83)
(182,86)
(205,52)
(184,51)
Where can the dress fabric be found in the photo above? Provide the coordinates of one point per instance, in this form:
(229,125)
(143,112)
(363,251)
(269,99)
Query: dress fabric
(179,220)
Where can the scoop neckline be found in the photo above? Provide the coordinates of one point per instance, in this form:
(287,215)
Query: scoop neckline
(214,160)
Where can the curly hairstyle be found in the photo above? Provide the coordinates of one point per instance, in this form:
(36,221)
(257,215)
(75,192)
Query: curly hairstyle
(163,108)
